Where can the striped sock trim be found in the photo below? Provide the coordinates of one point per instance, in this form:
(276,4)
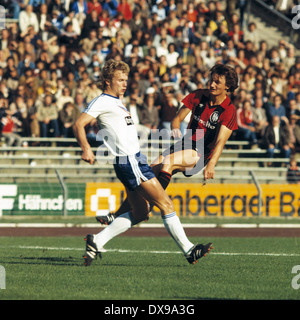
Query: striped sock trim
(166,174)
(164,178)
(169,215)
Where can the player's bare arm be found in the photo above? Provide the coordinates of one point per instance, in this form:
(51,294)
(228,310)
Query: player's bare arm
(223,136)
(80,135)
(175,124)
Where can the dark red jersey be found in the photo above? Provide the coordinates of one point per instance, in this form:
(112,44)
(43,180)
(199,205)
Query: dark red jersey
(209,118)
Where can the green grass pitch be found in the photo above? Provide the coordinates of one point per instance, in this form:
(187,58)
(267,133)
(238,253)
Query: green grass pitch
(145,268)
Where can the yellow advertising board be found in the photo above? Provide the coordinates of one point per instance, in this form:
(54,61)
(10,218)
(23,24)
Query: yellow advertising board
(219,200)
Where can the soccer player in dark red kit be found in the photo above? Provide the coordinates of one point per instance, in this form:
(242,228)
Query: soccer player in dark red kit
(214,113)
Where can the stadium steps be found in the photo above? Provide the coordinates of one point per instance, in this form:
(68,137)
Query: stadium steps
(97,173)
(39,163)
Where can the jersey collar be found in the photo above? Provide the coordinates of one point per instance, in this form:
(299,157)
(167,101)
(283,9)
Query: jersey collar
(224,104)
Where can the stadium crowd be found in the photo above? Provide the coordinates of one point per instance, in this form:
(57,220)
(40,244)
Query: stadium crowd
(52,53)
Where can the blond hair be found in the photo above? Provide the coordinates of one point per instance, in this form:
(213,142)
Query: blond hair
(109,69)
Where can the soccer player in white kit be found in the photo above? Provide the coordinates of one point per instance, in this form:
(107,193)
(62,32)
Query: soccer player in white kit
(132,169)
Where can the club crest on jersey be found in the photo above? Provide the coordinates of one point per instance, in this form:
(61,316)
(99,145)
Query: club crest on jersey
(214,118)
(129,121)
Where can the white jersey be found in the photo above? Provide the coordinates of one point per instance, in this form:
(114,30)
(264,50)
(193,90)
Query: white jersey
(117,128)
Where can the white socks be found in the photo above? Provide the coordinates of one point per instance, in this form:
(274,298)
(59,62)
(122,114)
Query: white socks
(118,226)
(125,221)
(176,231)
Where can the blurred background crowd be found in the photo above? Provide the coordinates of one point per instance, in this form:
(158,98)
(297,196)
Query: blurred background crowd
(51,55)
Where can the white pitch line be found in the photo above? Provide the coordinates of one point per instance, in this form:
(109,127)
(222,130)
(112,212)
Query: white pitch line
(162,252)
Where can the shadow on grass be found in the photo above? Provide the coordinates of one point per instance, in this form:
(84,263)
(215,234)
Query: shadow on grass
(57,261)
(78,261)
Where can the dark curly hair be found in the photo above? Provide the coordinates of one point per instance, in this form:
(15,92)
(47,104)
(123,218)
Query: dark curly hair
(229,73)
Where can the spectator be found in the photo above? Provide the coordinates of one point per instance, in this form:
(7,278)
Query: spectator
(163,34)
(16,6)
(67,116)
(274,57)
(293,173)
(25,64)
(169,107)
(111,7)
(209,37)
(186,52)
(217,22)
(20,110)
(231,51)
(28,18)
(94,5)
(277,108)
(246,127)
(119,43)
(56,22)
(249,50)
(36,4)
(290,59)
(12,82)
(125,9)
(80,102)
(8,124)
(62,7)
(64,98)
(97,54)
(135,108)
(109,31)
(3,62)
(277,137)
(6,44)
(70,18)
(71,83)
(69,37)
(92,22)
(192,13)
(48,117)
(62,66)
(33,118)
(30,83)
(150,110)
(293,110)
(160,10)
(92,91)
(53,82)
(172,55)
(173,23)
(260,119)
(252,35)
(162,49)
(80,7)
(294,130)
(43,20)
